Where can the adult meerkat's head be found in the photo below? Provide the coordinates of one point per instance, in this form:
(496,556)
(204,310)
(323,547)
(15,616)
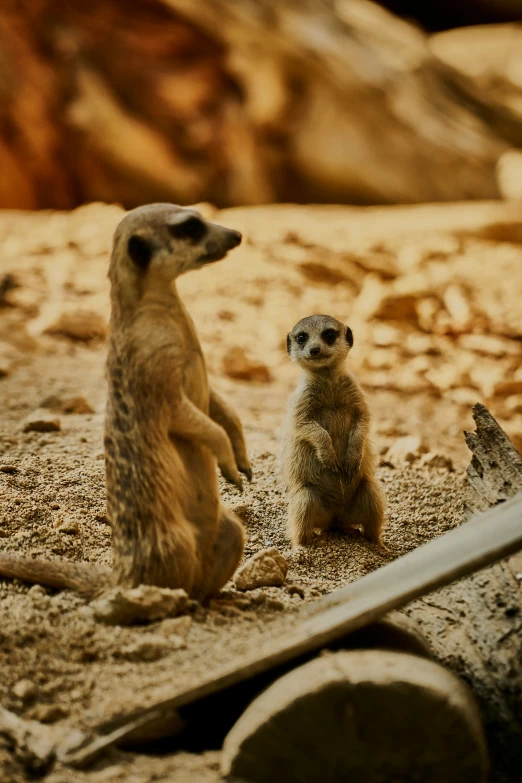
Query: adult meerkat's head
(319,341)
(168,241)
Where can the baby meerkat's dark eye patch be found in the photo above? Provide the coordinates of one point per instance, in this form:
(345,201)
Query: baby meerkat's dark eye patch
(301,338)
(288,343)
(140,251)
(191,228)
(349,336)
(330,336)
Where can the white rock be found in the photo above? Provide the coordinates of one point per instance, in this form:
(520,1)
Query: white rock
(267,568)
(146,603)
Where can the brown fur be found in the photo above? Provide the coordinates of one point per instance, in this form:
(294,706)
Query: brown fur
(164,426)
(327,459)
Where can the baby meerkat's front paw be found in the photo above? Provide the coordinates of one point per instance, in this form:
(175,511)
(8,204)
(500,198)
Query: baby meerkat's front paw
(227,463)
(328,457)
(351,468)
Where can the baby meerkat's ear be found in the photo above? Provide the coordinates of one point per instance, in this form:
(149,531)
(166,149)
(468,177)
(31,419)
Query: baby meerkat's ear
(288,343)
(140,251)
(349,336)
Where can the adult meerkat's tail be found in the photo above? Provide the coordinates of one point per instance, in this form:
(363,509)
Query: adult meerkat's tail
(89,580)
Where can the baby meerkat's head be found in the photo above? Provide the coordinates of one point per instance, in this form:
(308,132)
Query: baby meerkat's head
(167,241)
(319,341)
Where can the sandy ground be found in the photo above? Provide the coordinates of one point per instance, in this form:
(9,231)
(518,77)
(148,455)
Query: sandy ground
(433,296)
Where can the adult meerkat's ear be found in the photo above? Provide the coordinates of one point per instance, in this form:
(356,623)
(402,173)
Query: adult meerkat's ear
(140,251)
(349,336)
(288,343)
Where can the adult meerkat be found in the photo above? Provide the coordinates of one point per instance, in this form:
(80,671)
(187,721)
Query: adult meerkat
(164,426)
(327,459)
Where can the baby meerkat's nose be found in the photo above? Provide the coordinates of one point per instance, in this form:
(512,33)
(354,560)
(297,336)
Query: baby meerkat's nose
(315,350)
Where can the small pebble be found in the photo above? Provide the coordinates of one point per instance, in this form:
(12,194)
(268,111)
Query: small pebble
(267,568)
(42,421)
(37,591)
(274,604)
(149,647)
(296,590)
(146,603)
(66,525)
(78,405)
(8,469)
(47,713)
(26,690)
(178,626)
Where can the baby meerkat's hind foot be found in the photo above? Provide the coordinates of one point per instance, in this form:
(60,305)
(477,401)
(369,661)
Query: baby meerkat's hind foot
(367,510)
(305,514)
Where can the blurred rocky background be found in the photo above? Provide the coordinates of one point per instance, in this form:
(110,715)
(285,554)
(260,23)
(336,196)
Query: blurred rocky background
(242,102)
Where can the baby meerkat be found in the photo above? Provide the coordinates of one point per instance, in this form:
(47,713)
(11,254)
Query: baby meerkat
(165,428)
(327,459)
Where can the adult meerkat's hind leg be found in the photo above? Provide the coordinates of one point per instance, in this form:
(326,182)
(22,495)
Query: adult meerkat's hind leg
(226,553)
(192,424)
(366,509)
(224,415)
(305,513)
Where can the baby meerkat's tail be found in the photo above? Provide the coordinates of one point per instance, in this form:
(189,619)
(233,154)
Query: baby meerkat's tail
(86,579)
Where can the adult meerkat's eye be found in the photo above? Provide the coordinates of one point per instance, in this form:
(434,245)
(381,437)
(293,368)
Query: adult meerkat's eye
(191,228)
(301,338)
(329,336)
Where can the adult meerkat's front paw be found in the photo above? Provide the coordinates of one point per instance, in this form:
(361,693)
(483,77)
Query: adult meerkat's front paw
(231,475)
(245,468)
(241,456)
(230,472)
(227,463)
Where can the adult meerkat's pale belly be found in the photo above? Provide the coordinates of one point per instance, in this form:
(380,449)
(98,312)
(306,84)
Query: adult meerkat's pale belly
(195,380)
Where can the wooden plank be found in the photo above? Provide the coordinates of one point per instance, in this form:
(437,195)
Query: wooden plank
(480,542)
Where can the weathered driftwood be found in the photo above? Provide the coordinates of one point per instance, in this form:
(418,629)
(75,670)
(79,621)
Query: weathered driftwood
(32,742)
(237,103)
(495,471)
(369,715)
(475,629)
(475,626)
(476,544)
